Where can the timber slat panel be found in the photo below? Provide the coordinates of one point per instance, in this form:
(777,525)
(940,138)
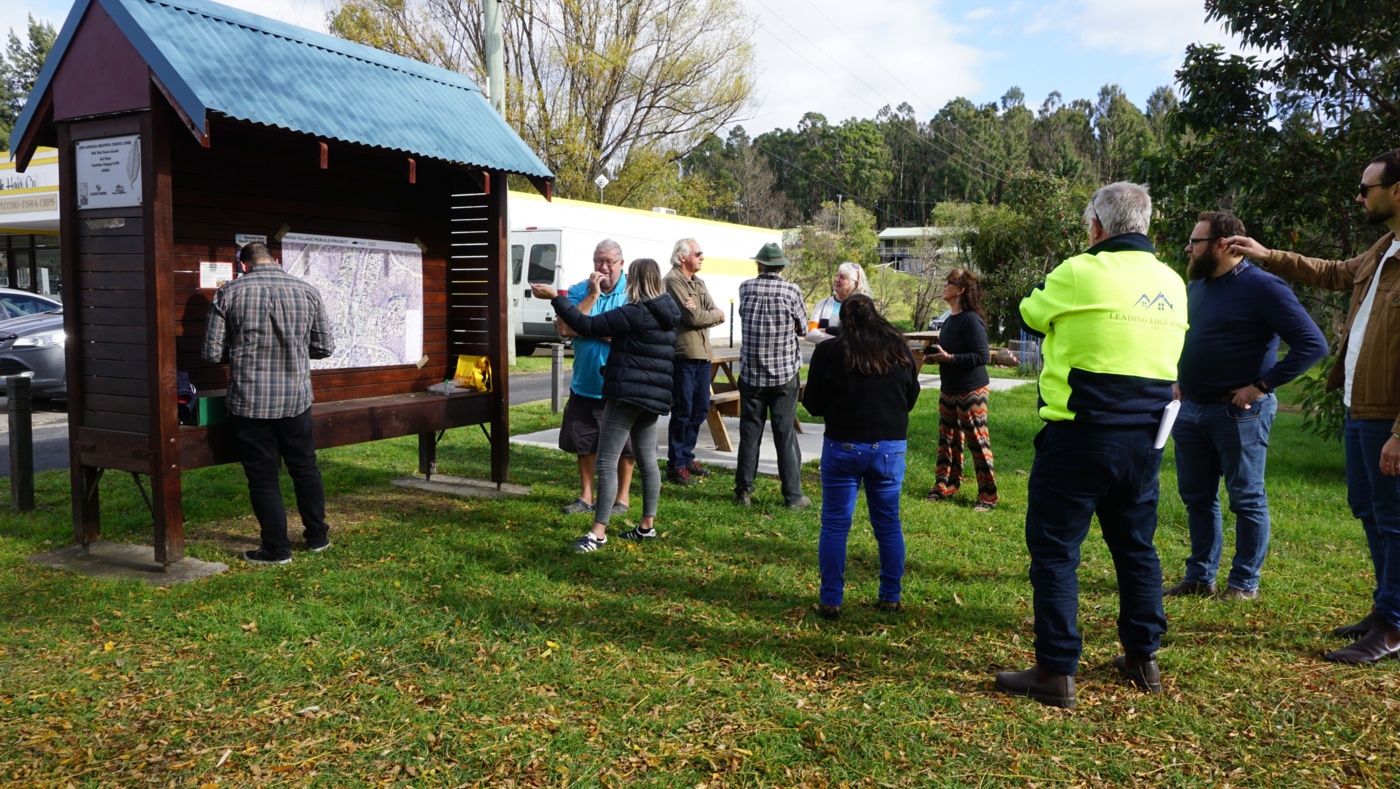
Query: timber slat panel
(105,420)
(350,422)
(121,299)
(122,387)
(111,263)
(135,406)
(112,245)
(95,319)
(126,280)
(131,370)
(113,352)
(114,449)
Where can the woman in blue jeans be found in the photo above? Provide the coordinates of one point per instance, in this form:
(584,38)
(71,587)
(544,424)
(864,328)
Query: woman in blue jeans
(865,382)
(636,388)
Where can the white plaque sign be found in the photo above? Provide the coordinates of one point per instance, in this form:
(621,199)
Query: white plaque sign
(109,172)
(213,275)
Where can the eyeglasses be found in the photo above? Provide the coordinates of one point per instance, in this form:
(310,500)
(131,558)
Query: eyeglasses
(1194,241)
(606,262)
(1365,189)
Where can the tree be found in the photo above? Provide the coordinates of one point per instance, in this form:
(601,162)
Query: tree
(593,86)
(19,67)
(1280,139)
(743,186)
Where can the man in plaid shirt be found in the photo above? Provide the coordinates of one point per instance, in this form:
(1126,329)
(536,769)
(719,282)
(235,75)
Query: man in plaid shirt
(268,325)
(774,317)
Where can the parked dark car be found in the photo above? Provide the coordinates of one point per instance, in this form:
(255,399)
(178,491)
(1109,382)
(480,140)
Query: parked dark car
(33,346)
(936,324)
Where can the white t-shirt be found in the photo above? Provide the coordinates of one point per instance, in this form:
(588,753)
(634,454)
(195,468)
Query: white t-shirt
(1363,317)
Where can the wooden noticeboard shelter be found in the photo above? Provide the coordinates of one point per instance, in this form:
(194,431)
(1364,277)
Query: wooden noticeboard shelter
(184,127)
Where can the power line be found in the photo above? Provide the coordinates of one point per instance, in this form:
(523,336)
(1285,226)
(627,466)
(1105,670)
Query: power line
(1001,160)
(976,160)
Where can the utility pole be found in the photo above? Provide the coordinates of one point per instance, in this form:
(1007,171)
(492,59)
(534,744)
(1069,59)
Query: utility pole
(496,94)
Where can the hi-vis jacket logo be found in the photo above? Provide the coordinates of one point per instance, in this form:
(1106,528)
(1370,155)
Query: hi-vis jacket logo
(1159,303)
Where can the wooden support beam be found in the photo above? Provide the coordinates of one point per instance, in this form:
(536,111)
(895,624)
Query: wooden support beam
(542,185)
(412,170)
(325,156)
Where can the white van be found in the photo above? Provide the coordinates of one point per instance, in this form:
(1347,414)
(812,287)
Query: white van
(552,243)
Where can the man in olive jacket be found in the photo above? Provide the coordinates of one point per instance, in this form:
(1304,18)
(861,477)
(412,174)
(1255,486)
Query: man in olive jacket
(1368,373)
(690,392)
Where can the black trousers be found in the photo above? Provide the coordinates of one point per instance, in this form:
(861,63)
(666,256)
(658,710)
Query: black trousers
(263,445)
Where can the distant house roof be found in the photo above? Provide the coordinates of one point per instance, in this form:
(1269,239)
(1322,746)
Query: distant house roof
(216,59)
(899,233)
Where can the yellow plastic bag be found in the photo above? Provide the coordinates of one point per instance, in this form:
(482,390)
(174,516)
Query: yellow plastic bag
(473,374)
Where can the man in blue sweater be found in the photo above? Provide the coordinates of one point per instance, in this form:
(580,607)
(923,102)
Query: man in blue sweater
(1228,372)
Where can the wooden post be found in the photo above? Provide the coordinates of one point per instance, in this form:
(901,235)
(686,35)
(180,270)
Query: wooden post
(21,443)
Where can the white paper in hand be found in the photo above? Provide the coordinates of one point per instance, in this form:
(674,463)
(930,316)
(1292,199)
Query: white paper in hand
(1165,428)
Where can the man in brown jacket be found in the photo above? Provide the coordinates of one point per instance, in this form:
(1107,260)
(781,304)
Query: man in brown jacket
(690,387)
(1368,373)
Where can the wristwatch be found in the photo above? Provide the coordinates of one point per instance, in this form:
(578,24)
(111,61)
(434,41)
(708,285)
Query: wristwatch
(1263,387)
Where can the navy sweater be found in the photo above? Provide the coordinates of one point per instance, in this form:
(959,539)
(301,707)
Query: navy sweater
(1236,321)
(965,336)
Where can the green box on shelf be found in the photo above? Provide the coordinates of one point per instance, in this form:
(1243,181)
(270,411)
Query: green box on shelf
(209,408)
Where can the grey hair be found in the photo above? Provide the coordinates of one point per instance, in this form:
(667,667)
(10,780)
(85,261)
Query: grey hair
(1121,207)
(855,272)
(686,246)
(644,280)
(608,245)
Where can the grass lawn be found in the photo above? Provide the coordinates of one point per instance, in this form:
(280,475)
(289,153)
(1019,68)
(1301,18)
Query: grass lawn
(447,642)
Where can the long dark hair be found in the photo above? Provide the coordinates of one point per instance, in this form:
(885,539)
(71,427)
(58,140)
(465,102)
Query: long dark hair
(870,344)
(971,298)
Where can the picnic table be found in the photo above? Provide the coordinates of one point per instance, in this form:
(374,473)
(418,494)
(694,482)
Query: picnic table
(724,396)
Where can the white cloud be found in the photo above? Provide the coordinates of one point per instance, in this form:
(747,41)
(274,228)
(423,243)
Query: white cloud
(978,14)
(810,58)
(1140,27)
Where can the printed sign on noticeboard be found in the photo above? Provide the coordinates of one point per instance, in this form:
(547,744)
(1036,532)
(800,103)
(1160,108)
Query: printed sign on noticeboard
(109,172)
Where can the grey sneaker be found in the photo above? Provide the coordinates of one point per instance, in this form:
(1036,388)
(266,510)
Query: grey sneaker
(575,507)
(588,543)
(636,533)
(261,556)
(801,504)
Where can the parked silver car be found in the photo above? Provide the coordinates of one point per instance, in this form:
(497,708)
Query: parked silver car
(18,303)
(33,346)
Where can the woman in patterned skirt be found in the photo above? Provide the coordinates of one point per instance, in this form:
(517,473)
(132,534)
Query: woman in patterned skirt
(962,355)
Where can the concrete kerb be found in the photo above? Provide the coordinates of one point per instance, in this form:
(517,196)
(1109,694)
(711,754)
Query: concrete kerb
(119,561)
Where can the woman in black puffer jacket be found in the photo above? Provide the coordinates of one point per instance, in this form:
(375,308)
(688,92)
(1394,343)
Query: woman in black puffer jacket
(636,386)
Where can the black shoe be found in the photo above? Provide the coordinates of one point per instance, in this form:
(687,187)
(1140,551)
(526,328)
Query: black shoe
(743,499)
(319,547)
(679,476)
(697,470)
(830,612)
(1232,595)
(1191,589)
(638,534)
(1046,687)
(888,606)
(1143,674)
(1380,643)
(261,556)
(1358,629)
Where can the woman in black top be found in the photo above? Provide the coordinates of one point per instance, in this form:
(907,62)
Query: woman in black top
(962,355)
(636,386)
(865,383)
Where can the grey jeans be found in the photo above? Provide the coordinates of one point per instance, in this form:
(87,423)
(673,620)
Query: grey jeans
(621,420)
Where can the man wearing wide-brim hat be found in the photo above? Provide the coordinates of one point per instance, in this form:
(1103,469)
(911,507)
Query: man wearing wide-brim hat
(774,318)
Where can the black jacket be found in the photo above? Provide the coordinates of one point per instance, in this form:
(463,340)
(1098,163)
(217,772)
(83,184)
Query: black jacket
(964,336)
(639,368)
(857,408)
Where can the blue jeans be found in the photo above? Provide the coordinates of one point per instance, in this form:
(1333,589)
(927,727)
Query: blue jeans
(690,405)
(263,446)
(1222,440)
(1375,501)
(844,467)
(1081,471)
(778,404)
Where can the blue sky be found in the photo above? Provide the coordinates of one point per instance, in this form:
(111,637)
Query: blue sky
(846,59)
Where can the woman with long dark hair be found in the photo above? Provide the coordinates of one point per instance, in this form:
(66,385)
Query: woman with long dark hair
(865,383)
(636,386)
(962,354)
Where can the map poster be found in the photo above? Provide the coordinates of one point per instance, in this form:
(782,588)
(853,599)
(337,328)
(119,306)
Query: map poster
(373,294)
(109,172)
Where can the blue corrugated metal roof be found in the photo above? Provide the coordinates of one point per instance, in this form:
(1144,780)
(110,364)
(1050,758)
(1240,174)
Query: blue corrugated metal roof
(212,58)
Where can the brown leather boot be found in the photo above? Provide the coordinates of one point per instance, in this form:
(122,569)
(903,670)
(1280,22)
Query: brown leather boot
(1046,687)
(1381,642)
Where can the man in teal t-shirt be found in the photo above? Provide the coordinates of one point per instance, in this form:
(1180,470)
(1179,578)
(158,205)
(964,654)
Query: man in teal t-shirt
(605,289)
